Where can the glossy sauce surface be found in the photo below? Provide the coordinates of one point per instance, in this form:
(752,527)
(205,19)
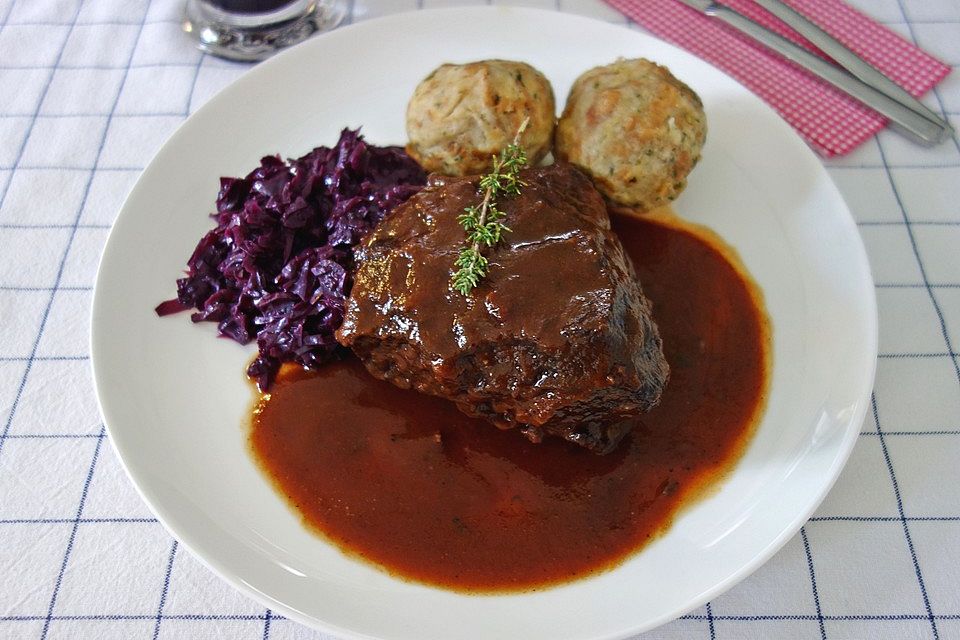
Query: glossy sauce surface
(409,483)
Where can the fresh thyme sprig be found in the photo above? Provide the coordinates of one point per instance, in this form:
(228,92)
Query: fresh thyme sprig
(484,223)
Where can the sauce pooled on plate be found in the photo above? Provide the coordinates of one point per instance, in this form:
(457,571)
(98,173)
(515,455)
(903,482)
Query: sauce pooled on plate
(409,483)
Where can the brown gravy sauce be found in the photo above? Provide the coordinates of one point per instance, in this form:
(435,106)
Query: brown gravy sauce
(410,484)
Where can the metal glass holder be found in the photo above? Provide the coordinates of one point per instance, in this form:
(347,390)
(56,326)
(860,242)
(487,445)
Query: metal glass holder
(255,36)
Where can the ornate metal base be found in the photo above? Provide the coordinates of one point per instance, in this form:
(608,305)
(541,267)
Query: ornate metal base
(251,37)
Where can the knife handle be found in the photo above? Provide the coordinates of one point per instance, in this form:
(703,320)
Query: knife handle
(924,130)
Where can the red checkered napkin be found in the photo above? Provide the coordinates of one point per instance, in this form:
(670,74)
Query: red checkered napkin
(831,122)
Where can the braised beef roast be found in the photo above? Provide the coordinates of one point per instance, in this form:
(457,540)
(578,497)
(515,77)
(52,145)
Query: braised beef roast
(558,338)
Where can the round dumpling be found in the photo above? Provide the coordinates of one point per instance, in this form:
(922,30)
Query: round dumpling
(635,129)
(463,114)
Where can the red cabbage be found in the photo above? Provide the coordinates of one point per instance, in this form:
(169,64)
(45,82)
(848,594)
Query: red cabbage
(277,267)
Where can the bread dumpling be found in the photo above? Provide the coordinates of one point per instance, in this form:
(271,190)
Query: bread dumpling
(635,129)
(461,115)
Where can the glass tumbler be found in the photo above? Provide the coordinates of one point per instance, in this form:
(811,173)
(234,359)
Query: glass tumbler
(255,29)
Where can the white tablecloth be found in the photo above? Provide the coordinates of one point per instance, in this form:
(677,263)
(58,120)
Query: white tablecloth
(87,95)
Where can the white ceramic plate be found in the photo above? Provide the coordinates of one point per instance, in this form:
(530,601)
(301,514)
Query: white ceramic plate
(175,399)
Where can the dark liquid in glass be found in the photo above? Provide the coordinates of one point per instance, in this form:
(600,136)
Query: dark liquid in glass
(250,6)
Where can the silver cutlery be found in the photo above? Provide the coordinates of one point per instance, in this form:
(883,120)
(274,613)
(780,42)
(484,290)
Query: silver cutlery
(857,78)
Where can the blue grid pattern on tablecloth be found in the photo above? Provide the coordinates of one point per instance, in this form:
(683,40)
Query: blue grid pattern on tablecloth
(89,92)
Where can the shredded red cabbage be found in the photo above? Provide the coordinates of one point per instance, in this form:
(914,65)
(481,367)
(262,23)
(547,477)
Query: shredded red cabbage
(277,267)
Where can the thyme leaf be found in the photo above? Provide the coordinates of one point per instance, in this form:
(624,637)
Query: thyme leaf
(483,223)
